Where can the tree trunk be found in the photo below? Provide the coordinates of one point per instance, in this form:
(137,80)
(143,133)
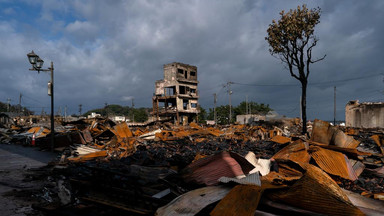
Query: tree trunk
(304,105)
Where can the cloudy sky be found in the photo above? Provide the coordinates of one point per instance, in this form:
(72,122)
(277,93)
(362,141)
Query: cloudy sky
(111,51)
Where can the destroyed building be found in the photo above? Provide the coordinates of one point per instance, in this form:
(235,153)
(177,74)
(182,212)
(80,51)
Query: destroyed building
(364,115)
(176,96)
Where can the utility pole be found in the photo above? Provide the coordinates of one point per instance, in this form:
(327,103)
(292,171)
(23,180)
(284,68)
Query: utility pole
(214,108)
(133,111)
(106,109)
(230,104)
(65,113)
(334,105)
(9,104)
(246,105)
(80,109)
(59,111)
(20,102)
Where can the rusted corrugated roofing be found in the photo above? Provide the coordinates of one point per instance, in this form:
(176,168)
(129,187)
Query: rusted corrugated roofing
(280,139)
(288,171)
(122,130)
(325,133)
(379,140)
(209,169)
(317,192)
(192,202)
(333,162)
(241,200)
(350,152)
(296,151)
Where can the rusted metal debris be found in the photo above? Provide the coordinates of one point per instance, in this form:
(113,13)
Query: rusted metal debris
(162,168)
(324,132)
(241,200)
(317,192)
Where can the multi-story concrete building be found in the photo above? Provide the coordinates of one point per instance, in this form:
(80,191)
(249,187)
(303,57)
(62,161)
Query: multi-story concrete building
(176,96)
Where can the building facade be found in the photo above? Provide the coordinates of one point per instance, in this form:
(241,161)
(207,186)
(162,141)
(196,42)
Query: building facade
(176,96)
(364,115)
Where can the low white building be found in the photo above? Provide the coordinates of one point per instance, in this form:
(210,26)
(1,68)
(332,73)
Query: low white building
(93,115)
(118,118)
(248,119)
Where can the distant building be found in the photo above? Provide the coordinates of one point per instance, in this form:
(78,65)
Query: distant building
(93,115)
(249,118)
(118,118)
(176,96)
(6,119)
(364,115)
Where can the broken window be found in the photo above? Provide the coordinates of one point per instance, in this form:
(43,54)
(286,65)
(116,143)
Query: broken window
(169,91)
(193,73)
(193,90)
(194,105)
(161,105)
(180,71)
(186,75)
(187,89)
(181,89)
(185,104)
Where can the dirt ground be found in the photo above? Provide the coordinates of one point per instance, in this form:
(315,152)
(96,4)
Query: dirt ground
(17,192)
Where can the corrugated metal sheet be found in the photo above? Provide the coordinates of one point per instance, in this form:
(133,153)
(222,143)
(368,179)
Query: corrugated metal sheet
(288,171)
(325,133)
(379,141)
(87,135)
(357,166)
(280,139)
(209,169)
(333,162)
(351,152)
(194,201)
(251,179)
(296,151)
(317,192)
(122,130)
(241,200)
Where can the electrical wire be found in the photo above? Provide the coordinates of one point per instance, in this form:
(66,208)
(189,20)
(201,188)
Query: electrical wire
(312,83)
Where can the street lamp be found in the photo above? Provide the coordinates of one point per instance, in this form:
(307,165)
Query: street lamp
(37,64)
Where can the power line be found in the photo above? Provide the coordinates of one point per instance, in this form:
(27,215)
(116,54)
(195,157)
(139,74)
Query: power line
(312,83)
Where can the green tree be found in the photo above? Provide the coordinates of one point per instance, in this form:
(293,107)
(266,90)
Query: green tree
(141,114)
(202,115)
(222,115)
(292,40)
(15,108)
(253,108)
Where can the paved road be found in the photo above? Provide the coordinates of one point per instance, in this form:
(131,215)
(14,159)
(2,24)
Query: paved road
(15,160)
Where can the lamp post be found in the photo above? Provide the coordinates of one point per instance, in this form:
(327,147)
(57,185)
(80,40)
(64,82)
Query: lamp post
(37,64)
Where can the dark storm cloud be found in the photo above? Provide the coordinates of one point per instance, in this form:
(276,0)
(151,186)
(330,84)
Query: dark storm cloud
(108,51)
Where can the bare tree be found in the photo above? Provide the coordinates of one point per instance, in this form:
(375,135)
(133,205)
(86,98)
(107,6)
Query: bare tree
(291,39)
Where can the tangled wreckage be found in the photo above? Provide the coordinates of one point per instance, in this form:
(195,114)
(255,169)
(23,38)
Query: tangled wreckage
(107,168)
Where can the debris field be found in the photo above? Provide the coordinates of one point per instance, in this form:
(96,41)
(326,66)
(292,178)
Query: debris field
(106,168)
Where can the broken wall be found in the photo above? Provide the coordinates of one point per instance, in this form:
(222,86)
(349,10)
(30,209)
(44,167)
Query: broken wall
(364,115)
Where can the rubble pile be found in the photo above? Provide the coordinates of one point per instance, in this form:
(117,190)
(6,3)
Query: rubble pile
(195,170)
